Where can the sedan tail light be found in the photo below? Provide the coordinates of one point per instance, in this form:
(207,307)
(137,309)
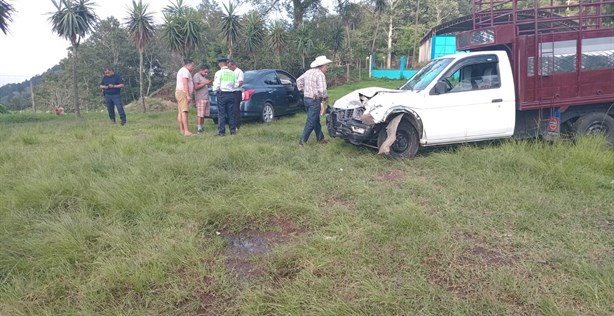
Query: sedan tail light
(247,94)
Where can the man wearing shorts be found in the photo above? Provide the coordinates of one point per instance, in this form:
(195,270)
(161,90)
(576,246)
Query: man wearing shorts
(183,94)
(201,95)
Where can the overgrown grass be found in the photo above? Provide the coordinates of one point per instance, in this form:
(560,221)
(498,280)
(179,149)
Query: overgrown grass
(103,219)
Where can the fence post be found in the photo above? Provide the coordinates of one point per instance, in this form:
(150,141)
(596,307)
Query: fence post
(347,78)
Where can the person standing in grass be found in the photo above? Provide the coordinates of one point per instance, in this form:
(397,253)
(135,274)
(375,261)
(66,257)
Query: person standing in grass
(238,94)
(201,96)
(111,84)
(224,85)
(183,94)
(313,85)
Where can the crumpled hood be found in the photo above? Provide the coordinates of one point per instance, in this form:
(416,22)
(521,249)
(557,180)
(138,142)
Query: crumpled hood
(381,101)
(352,99)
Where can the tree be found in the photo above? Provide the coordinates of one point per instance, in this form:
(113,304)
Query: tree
(142,29)
(73,20)
(297,9)
(380,7)
(182,27)
(254,34)
(304,42)
(231,26)
(6,10)
(278,39)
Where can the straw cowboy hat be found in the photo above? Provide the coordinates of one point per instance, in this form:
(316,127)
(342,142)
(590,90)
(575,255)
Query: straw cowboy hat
(320,60)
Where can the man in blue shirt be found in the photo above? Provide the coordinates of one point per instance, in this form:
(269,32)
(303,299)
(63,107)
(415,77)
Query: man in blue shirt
(111,84)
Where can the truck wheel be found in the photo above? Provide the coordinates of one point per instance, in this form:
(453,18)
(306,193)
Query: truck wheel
(595,123)
(407,142)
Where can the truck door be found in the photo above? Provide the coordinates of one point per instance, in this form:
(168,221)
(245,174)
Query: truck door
(478,97)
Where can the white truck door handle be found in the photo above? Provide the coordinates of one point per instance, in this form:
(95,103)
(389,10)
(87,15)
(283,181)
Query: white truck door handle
(497,100)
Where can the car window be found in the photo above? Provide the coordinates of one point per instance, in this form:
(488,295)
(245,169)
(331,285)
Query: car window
(476,74)
(270,79)
(250,76)
(285,79)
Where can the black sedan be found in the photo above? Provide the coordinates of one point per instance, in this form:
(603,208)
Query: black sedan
(267,93)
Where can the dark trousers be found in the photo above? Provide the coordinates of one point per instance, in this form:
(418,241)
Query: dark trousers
(113,101)
(225,110)
(237,107)
(313,120)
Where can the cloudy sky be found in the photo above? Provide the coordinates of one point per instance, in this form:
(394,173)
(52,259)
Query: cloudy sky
(31,48)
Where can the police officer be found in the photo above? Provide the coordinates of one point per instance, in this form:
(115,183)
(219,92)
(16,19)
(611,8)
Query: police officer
(224,84)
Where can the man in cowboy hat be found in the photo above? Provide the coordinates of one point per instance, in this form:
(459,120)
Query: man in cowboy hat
(313,85)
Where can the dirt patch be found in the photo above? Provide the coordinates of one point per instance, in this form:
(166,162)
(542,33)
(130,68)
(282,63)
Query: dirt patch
(242,253)
(153,105)
(333,201)
(246,246)
(393,176)
(466,270)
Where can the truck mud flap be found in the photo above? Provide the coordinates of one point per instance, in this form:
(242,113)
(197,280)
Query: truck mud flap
(391,131)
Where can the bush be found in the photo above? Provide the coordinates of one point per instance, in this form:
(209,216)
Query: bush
(3,109)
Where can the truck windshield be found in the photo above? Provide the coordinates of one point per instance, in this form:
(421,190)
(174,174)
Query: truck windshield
(424,76)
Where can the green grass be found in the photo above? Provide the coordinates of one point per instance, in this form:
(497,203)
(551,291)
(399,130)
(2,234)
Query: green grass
(137,220)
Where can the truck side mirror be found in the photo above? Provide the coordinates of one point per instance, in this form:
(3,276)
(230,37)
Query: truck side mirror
(440,87)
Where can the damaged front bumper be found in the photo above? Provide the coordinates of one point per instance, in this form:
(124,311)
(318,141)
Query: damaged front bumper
(343,124)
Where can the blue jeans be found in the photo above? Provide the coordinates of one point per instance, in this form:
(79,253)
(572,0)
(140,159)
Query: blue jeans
(225,110)
(112,101)
(313,120)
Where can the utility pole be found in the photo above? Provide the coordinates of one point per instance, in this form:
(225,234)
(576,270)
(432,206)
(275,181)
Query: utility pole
(32,96)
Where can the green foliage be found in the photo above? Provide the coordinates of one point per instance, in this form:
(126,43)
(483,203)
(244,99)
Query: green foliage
(103,219)
(231,26)
(182,27)
(6,12)
(73,20)
(3,109)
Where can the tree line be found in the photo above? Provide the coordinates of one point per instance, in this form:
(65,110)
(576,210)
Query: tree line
(148,55)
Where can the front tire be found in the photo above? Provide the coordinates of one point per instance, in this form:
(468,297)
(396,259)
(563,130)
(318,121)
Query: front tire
(595,124)
(268,113)
(407,143)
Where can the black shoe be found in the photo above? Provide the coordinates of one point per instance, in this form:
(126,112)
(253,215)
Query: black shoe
(123,123)
(323,141)
(301,144)
(220,135)
(233,133)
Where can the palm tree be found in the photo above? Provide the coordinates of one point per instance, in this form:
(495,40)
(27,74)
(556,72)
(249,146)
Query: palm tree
(304,42)
(278,39)
(254,34)
(73,20)
(231,26)
(182,27)
(142,29)
(6,10)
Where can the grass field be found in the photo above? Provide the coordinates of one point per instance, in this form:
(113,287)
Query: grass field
(99,219)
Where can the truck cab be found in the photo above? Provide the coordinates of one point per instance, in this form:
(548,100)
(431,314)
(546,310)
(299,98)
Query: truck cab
(454,99)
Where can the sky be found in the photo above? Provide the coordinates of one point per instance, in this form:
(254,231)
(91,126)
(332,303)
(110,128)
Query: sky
(30,48)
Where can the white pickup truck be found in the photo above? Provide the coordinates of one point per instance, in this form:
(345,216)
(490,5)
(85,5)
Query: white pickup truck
(459,98)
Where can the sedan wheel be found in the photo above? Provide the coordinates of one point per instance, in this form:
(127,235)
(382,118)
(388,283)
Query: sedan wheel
(268,113)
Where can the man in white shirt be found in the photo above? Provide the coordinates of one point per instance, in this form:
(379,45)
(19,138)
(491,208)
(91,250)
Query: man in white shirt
(238,94)
(183,94)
